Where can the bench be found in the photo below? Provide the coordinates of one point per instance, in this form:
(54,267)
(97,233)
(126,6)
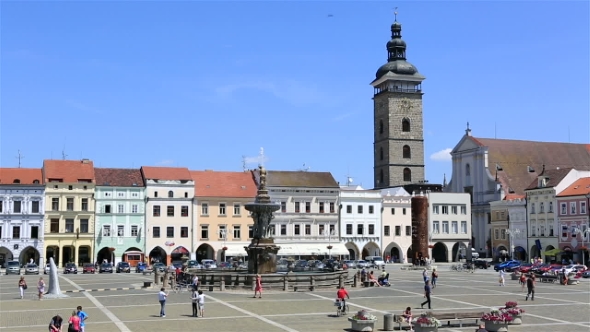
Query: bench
(457,316)
(550,279)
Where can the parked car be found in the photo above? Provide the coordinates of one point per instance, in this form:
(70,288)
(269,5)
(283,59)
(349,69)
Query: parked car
(332,265)
(506,265)
(482,264)
(160,267)
(362,264)
(123,267)
(375,261)
(70,268)
(140,267)
(574,268)
(105,268)
(31,269)
(586,274)
(350,264)
(88,268)
(47,268)
(192,264)
(208,263)
(524,268)
(301,266)
(13,267)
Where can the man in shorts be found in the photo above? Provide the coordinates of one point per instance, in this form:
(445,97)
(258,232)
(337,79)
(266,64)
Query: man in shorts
(340,294)
(83,317)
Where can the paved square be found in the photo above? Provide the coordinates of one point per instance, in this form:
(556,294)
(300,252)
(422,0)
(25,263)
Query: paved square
(556,307)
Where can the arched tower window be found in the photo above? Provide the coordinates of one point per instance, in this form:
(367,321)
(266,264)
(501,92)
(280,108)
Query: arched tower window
(380,126)
(406,125)
(170,194)
(407,152)
(407,175)
(381,176)
(467,170)
(16,181)
(381,153)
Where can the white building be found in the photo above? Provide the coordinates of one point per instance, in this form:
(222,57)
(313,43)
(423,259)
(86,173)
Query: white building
(360,221)
(396,218)
(22,206)
(449,224)
(307,222)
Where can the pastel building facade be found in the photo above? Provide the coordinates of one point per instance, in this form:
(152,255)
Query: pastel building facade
(120,215)
(396,220)
(449,225)
(574,220)
(509,230)
(22,204)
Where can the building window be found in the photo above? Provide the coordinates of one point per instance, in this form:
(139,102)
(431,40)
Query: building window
(307,229)
(348,229)
(297,207)
(156,232)
(542,207)
(321,229)
(503,232)
(134,208)
(170,194)
(120,230)
(445,209)
(107,208)
(392,211)
(204,232)
(307,207)
(563,209)
(404,211)
(107,194)
(134,230)
(463,209)
(386,230)
(582,207)
(563,231)
(204,209)
(349,209)
(407,175)
(453,209)
(222,232)
(84,204)
(572,208)
(120,194)
(332,207)
(17,206)
(371,229)
(407,152)
(322,207)
(54,226)
(464,227)
(398,230)
(435,209)
(34,232)
(380,153)
(550,229)
(283,231)
(170,231)
(70,204)
(222,209)
(55,204)
(69,225)
(533,208)
(332,229)
(445,227)
(550,207)
(134,195)
(455,227)
(120,208)
(34,207)
(183,231)
(1,208)
(155,194)
(380,126)
(184,211)
(283,207)
(381,176)
(84,225)
(406,125)
(496,234)
(236,209)
(297,230)
(359,209)
(185,194)
(359,229)
(238,232)
(435,227)
(408,230)
(156,210)
(106,230)
(467,170)
(16,232)
(170,210)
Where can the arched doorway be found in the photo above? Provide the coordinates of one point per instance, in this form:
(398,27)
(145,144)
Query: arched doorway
(440,252)
(178,253)
(5,255)
(204,251)
(133,256)
(52,252)
(502,253)
(519,253)
(410,255)
(458,251)
(535,251)
(394,251)
(27,254)
(103,255)
(158,255)
(352,254)
(371,249)
(549,258)
(84,255)
(352,250)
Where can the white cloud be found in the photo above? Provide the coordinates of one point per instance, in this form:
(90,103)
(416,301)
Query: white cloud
(166,162)
(442,155)
(291,91)
(255,160)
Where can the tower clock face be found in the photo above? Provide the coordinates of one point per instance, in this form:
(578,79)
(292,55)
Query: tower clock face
(405,105)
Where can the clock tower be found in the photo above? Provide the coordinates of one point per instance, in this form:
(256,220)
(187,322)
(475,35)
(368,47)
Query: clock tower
(398,125)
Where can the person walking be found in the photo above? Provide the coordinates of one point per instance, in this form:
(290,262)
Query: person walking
(74,322)
(22,285)
(83,317)
(194,300)
(530,285)
(434,278)
(502,277)
(41,288)
(55,324)
(427,292)
(195,283)
(201,303)
(258,288)
(162,296)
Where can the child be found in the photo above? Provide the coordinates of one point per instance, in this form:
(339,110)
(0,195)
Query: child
(408,316)
(258,288)
(201,303)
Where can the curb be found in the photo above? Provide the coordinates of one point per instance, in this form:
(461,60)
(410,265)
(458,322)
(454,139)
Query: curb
(103,289)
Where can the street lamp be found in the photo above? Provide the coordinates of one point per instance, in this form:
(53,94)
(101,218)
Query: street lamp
(511,233)
(582,233)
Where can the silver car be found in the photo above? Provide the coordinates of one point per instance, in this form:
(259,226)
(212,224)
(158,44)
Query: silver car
(31,269)
(13,267)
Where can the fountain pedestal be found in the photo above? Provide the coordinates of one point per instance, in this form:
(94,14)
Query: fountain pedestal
(262,256)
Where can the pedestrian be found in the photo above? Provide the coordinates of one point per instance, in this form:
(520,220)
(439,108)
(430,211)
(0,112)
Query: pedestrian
(41,288)
(195,283)
(55,324)
(22,285)
(425,275)
(407,315)
(434,278)
(522,281)
(195,300)
(258,287)
(482,328)
(427,292)
(201,303)
(530,285)
(83,317)
(74,322)
(162,296)
(502,279)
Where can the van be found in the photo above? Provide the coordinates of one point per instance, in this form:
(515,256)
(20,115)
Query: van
(375,261)
(474,254)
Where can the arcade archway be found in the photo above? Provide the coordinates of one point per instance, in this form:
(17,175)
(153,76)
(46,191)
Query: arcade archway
(104,255)
(394,251)
(410,255)
(205,251)
(52,252)
(178,253)
(5,255)
(440,252)
(459,251)
(371,249)
(27,254)
(158,255)
(352,250)
(519,253)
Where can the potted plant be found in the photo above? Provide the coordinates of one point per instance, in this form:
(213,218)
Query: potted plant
(426,323)
(512,309)
(496,320)
(224,248)
(363,321)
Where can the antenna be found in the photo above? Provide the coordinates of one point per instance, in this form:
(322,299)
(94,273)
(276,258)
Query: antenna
(20,157)
(244,163)
(304,169)
(395,14)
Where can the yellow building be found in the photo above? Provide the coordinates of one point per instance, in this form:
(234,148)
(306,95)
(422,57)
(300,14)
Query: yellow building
(500,239)
(69,212)
(222,220)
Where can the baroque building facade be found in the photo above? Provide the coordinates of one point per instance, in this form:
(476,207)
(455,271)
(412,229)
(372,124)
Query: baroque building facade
(22,205)
(574,220)
(396,218)
(509,231)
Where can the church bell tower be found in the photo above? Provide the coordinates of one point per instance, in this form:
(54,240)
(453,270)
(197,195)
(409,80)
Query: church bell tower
(398,125)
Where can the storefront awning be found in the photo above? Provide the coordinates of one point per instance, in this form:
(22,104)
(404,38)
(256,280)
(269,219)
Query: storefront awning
(235,249)
(288,249)
(312,249)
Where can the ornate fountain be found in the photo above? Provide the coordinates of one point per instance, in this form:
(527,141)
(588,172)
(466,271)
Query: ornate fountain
(262,251)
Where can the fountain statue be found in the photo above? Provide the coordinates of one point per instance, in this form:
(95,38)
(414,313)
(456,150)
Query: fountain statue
(262,251)
(53,291)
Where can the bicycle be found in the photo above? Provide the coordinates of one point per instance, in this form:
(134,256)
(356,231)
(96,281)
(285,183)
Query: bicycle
(457,267)
(340,309)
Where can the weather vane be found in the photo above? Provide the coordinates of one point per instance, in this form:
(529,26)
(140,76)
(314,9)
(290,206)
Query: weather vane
(395,14)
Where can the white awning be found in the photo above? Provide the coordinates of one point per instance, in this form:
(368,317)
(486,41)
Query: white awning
(236,249)
(288,249)
(312,248)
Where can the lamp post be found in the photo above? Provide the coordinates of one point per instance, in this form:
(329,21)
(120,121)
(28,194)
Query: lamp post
(582,233)
(511,233)
(329,234)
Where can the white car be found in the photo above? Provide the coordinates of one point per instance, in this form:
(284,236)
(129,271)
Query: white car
(208,264)
(572,268)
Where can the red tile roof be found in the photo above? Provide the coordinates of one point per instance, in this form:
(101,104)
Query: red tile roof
(301,179)
(224,184)
(69,171)
(166,173)
(513,156)
(578,188)
(118,177)
(513,196)
(23,175)
(554,177)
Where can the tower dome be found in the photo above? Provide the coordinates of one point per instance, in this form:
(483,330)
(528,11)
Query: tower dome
(396,55)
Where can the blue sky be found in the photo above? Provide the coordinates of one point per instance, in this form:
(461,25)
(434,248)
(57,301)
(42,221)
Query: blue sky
(201,84)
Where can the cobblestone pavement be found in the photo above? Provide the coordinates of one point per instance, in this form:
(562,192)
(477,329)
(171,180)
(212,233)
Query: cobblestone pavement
(556,307)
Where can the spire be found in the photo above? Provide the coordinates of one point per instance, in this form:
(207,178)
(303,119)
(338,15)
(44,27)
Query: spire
(444,180)
(396,47)
(468,130)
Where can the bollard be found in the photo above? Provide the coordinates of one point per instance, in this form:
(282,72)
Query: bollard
(222,285)
(354,281)
(157,279)
(388,322)
(312,284)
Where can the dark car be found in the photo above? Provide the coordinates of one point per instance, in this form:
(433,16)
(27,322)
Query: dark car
(140,267)
(88,268)
(508,265)
(123,267)
(481,264)
(70,268)
(105,268)
(301,266)
(160,267)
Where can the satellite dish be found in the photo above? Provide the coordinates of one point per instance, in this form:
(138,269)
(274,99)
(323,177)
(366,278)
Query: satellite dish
(349,180)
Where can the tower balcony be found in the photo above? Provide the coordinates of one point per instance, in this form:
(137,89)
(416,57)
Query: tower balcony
(397,89)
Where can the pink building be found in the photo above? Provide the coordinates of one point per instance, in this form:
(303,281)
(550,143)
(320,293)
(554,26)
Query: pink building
(574,220)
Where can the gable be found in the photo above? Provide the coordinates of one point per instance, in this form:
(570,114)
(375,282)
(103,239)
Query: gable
(465,144)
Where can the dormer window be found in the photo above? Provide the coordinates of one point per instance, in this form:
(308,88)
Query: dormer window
(16,181)
(170,194)
(35,181)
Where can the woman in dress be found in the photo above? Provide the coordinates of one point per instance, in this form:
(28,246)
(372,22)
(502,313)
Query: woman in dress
(74,322)
(22,285)
(258,288)
(41,288)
